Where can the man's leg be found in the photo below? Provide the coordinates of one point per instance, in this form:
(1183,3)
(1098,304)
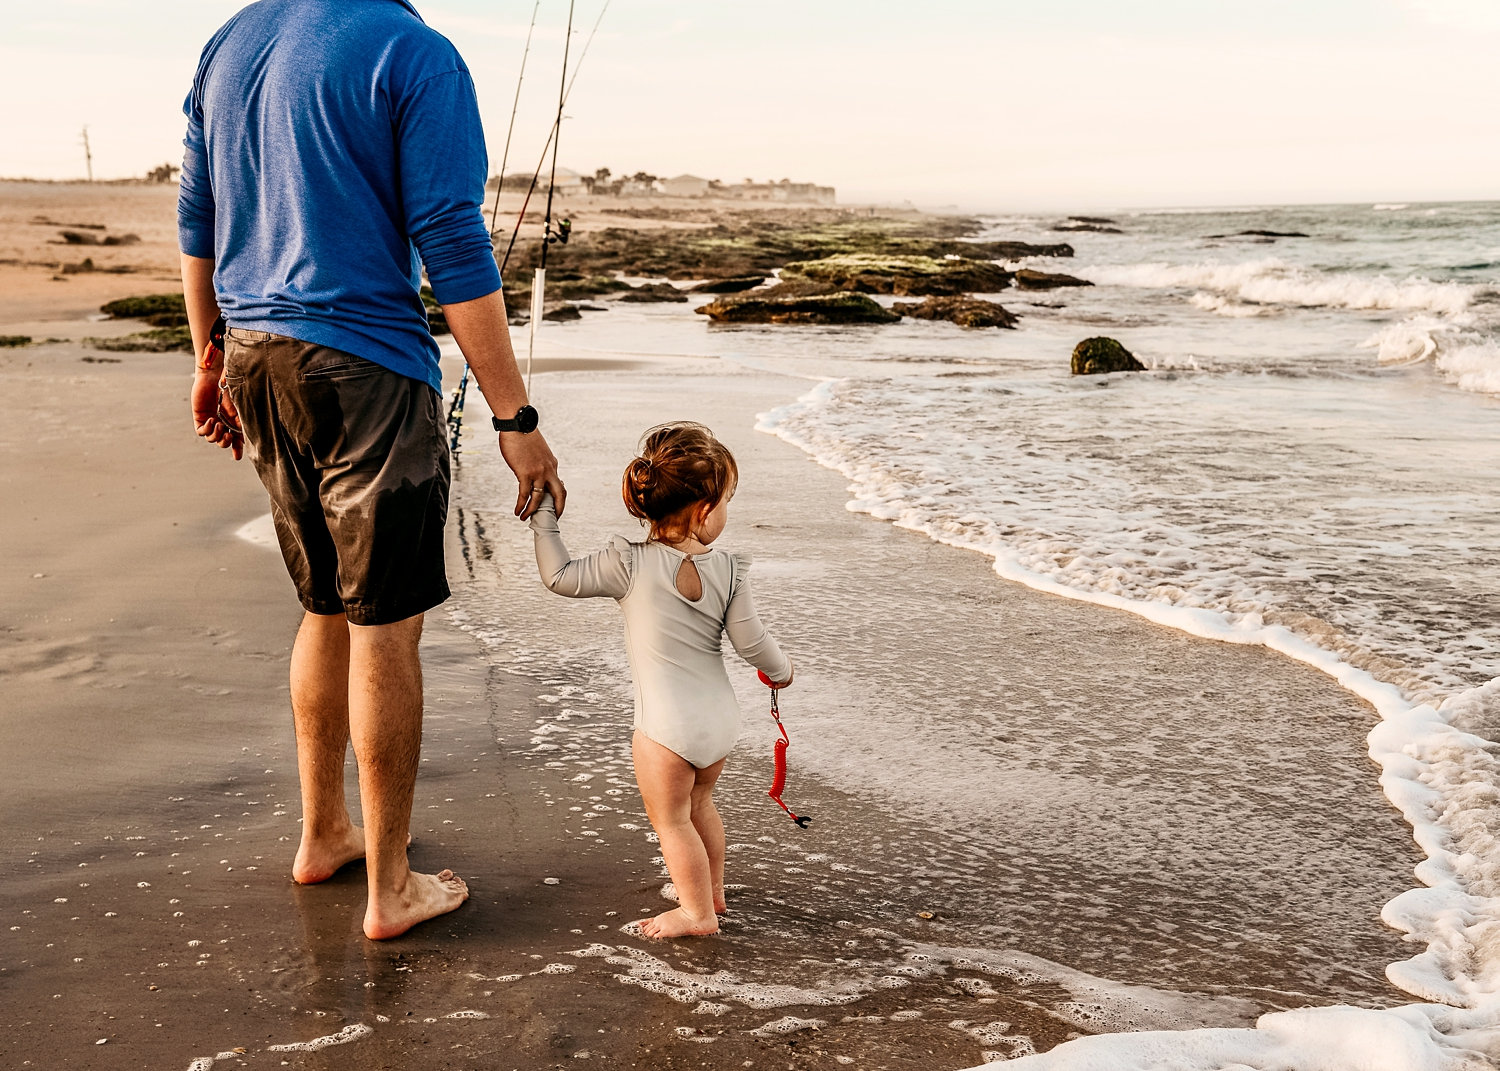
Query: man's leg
(320,713)
(385,723)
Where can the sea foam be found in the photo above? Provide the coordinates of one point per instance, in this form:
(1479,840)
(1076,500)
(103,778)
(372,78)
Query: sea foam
(1443,779)
(1272,281)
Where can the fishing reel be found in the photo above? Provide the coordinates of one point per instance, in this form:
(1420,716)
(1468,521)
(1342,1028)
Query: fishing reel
(562,233)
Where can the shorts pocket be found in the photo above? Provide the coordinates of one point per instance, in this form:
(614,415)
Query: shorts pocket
(345,367)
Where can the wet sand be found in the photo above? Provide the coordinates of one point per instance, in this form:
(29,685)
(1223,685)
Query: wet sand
(150,792)
(148,777)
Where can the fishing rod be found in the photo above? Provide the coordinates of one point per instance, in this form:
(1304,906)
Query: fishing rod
(456,408)
(537,174)
(539,282)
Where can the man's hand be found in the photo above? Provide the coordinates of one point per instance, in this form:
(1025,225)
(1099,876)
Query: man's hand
(530,458)
(214,416)
(480,329)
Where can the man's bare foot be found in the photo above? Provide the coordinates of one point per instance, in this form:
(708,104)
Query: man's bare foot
(426,896)
(319,860)
(720,907)
(678,923)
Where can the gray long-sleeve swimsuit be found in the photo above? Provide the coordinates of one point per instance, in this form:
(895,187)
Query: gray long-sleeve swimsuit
(683,699)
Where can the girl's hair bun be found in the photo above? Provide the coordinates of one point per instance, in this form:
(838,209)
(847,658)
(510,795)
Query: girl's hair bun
(680,466)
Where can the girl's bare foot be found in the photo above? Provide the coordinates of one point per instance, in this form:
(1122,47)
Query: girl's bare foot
(678,923)
(424,896)
(720,907)
(319,859)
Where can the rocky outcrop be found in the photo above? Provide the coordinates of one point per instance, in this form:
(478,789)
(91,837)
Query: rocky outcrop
(1097,356)
(1026,279)
(904,276)
(842,307)
(964,311)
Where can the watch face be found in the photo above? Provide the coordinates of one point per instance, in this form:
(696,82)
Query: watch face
(526,419)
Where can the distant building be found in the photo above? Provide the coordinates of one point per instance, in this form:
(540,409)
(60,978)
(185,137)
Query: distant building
(568,182)
(640,187)
(786,190)
(685,186)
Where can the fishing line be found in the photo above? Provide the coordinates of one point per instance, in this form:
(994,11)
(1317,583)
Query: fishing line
(510,130)
(456,407)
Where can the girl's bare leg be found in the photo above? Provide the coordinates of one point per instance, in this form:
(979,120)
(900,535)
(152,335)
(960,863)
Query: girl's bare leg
(710,829)
(667,781)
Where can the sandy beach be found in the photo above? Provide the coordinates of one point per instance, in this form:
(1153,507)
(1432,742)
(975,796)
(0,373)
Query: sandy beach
(149,788)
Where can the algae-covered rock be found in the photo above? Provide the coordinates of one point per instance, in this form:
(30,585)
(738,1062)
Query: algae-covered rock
(158,340)
(837,308)
(1096,356)
(143,306)
(1026,279)
(795,286)
(906,276)
(964,311)
(741,244)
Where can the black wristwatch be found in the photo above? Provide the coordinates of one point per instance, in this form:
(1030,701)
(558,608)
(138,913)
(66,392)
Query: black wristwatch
(525,421)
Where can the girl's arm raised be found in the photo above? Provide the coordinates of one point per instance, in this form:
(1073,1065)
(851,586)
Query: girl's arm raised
(604,573)
(751,640)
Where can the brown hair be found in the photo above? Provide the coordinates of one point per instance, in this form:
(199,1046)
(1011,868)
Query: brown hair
(680,466)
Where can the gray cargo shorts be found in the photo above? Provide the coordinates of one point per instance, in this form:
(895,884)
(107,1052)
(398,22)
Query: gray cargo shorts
(355,460)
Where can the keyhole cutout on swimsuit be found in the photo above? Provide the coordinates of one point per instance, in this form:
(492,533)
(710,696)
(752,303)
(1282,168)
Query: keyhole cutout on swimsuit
(689,583)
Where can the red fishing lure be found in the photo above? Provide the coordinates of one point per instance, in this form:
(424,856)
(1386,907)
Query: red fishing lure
(778,780)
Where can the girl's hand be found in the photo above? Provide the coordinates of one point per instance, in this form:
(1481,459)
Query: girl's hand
(769,683)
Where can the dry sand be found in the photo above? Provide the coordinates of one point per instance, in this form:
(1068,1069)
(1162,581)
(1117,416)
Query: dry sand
(148,777)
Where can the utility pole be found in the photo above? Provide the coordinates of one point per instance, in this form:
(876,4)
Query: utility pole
(88,155)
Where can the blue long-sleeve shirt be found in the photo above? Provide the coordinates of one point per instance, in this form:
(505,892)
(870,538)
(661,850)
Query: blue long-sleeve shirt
(330,145)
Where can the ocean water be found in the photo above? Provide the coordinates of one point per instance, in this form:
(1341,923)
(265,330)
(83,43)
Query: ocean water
(1307,466)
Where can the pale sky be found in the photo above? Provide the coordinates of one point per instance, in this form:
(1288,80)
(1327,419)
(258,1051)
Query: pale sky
(1004,104)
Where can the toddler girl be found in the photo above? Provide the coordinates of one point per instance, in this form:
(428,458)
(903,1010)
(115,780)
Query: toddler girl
(679,596)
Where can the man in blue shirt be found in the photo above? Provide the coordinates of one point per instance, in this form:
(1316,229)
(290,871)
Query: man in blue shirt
(333,150)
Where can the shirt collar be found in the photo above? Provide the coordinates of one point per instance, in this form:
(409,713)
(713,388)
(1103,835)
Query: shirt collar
(412,8)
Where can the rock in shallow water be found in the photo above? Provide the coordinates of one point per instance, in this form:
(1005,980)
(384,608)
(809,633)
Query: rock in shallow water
(839,308)
(728,286)
(648,292)
(1096,356)
(1026,279)
(964,311)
